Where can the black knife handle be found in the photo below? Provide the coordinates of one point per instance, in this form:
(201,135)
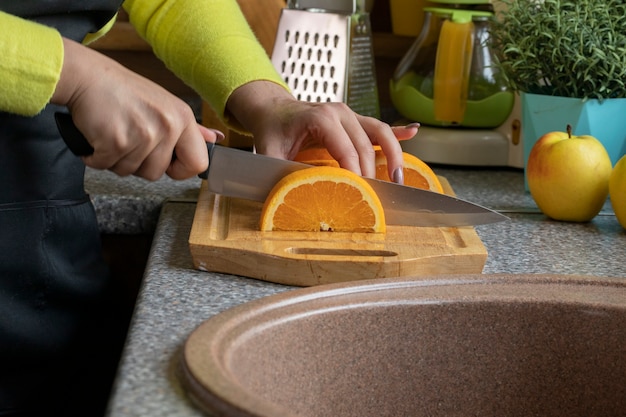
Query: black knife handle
(209,147)
(77,143)
(73,138)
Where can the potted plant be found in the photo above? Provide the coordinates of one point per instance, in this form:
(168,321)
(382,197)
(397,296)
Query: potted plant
(567,59)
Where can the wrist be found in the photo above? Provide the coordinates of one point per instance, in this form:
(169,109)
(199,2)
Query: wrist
(80,64)
(251,103)
(66,83)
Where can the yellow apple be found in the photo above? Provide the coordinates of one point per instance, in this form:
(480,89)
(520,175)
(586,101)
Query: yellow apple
(568,176)
(617,190)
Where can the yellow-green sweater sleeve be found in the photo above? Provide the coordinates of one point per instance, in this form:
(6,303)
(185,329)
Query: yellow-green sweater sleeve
(30,67)
(207,43)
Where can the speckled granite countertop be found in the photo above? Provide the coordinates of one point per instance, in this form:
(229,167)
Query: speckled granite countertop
(175,298)
(131,205)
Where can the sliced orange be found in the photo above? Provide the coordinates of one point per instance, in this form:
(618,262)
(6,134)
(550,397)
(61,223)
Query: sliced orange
(313,154)
(416,172)
(323,198)
(320,156)
(323,162)
(316,156)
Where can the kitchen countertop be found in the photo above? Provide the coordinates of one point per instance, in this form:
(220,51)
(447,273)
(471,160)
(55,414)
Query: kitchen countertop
(175,298)
(131,205)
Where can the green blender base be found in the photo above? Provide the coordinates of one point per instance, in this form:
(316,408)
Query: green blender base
(478,143)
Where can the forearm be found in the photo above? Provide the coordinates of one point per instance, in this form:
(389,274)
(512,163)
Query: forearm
(32,58)
(208,44)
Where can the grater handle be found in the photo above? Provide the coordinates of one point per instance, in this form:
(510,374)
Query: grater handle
(337,6)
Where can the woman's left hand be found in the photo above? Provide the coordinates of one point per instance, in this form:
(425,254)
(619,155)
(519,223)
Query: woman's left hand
(282,125)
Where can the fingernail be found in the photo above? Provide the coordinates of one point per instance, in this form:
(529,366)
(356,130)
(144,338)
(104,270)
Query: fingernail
(219,135)
(412,125)
(398,175)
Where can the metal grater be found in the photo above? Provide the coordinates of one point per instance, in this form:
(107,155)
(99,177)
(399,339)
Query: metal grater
(323,51)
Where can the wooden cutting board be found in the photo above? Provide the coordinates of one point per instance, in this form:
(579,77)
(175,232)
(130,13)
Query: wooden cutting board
(225,237)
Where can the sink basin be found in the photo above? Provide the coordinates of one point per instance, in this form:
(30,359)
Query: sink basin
(462,345)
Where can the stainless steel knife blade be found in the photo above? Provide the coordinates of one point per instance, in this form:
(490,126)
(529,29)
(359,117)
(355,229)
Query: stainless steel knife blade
(243,174)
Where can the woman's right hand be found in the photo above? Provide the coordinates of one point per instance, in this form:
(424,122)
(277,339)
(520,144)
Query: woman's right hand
(133,124)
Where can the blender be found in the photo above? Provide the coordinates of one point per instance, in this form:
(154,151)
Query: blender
(448,81)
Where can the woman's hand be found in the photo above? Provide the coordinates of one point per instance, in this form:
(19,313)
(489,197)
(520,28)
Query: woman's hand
(282,126)
(133,124)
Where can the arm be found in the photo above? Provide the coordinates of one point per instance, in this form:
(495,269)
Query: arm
(210,46)
(118,111)
(32,57)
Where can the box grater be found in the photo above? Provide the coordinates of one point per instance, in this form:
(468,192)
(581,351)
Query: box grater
(323,51)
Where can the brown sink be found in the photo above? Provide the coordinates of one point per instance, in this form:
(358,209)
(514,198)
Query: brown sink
(477,345)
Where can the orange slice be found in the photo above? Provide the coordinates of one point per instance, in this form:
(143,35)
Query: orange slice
(316,156)
(320,156)
(416,172)
(313,154)
(323,162)
(323,198)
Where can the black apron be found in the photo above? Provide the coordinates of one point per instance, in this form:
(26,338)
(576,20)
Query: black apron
(53,281)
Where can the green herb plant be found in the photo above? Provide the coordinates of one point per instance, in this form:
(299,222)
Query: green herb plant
(569,48)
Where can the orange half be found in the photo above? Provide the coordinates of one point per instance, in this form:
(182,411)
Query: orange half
(313,154)
(323,198)
(320,156)
(416,172)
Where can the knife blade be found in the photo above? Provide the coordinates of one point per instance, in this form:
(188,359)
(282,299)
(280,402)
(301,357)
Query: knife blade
(243,174)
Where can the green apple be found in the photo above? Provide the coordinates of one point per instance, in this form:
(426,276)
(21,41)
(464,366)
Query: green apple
(617,190)
(568,176)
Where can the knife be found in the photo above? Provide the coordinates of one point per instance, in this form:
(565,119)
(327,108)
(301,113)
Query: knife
(243,174)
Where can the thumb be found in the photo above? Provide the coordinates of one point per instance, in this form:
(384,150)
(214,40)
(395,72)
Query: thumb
(211,135)
(190,153)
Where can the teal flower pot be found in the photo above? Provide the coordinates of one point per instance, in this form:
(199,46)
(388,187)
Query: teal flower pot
(604,120)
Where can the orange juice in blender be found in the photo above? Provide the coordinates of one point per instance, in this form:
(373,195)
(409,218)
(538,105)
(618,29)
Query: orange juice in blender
(448,77)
